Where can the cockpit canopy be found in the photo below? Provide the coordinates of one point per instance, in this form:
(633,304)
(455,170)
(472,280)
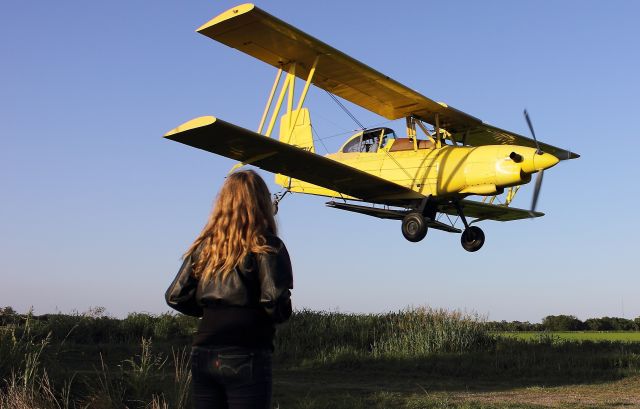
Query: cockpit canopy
(368,141)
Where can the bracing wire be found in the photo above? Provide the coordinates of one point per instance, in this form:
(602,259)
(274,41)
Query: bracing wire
(349,132)
(337,101)
(319,139)
(398,164)
(327,150)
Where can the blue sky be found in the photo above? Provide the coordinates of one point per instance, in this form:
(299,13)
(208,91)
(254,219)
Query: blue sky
(96,207)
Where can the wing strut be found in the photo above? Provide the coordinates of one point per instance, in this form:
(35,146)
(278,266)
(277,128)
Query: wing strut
(288,88)
(270,100)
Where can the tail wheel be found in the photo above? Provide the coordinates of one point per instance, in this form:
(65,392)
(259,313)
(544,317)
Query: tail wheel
(414,227)
(472,238)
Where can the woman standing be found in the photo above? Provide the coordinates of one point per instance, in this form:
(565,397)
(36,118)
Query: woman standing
(237,276)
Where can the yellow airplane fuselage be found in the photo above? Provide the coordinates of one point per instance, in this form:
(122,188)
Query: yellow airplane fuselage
(441,172)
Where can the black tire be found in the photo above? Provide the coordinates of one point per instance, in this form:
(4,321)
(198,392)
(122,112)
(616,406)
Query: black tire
(414,227)
(472,238)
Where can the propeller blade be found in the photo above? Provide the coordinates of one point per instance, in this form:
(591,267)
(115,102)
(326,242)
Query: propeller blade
(526,116)
(538,186)
(536,191)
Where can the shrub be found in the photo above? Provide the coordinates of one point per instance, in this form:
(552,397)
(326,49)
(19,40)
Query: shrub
(562,323)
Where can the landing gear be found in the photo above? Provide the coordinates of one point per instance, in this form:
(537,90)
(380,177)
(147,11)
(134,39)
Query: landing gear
(416,223)
(472,238)
(414,227)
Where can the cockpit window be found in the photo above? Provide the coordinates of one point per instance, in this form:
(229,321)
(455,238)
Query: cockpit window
(353,145)
(369,141)
(387,134)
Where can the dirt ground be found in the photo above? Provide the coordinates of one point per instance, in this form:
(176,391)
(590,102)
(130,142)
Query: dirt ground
(353,389)
(621,393)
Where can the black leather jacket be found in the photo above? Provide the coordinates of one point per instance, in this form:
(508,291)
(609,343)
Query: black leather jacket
(260,280)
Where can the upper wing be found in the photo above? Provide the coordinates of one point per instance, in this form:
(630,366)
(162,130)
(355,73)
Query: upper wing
(486,211)
(269,39)
(217,136)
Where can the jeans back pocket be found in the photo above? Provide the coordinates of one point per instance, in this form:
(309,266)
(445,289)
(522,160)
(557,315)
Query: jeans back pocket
(235,367)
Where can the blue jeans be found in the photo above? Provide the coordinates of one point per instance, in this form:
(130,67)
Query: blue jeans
(231,377)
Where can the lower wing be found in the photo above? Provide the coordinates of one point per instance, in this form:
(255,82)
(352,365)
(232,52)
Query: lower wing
(220,137)
(486,211)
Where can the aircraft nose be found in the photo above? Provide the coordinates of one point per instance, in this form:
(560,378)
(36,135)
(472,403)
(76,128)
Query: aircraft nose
(544,161)
(535,162)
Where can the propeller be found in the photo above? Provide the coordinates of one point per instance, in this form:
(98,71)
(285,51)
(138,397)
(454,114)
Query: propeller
(526,116)
(538,185)
(536,191)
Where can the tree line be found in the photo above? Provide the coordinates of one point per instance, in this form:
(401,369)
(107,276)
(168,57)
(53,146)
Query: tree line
(97,324)
(569,323)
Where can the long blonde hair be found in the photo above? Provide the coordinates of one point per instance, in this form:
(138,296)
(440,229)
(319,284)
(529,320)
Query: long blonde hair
(242,214)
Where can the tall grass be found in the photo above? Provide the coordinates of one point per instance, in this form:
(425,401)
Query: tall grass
(143,370)
(320,337)
(143,381)
(21,352)
(182,376)
(26,383)
(422,331)
(138,382)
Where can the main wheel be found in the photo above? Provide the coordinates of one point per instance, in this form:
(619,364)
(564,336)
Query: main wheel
(414,227)
(472,238)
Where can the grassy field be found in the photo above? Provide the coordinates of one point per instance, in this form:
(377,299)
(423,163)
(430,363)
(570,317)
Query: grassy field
(417,358)
(595,336)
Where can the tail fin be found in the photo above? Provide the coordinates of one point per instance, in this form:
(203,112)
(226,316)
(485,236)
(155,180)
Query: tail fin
(299,135)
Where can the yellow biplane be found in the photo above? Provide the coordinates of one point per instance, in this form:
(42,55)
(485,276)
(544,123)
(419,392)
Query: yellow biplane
(402,177)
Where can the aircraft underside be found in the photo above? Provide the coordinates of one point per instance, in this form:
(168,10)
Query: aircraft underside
(417,220)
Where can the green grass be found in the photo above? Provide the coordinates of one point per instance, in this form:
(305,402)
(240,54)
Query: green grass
(596,336)
(414,358)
